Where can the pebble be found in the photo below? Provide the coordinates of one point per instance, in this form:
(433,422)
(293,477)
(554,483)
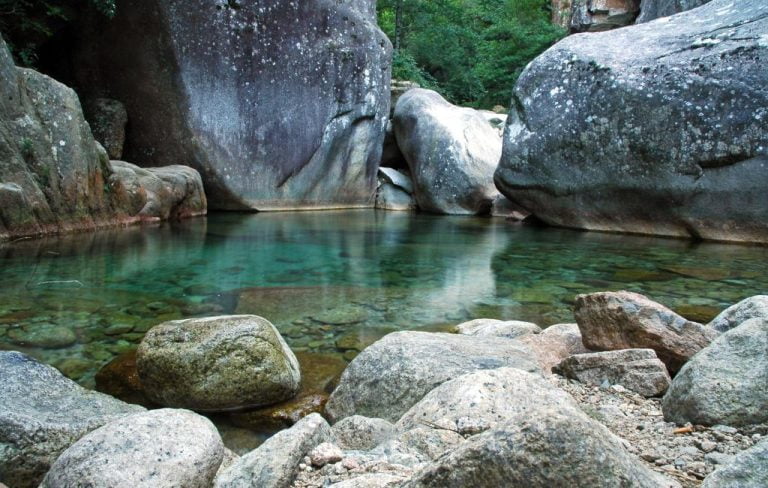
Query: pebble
(325,453)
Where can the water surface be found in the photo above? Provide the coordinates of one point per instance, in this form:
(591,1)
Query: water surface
(332,282)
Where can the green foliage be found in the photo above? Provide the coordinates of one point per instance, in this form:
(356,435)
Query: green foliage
(27,24)
(27,148)
(471,51)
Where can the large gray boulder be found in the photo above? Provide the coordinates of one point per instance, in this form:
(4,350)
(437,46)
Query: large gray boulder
(624,320)
(279,105)
(217,363)
(726,383)
(451,151)
(41,414)
(638,370)
(156,449)
(483,400)
(655,128)
(54,177)
(735,315)
(654,9)
(275,463)
(748,469)
(540,448)
(394,373)
(362,433)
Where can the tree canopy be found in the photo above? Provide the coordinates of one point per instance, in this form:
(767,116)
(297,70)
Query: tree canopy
(471,51)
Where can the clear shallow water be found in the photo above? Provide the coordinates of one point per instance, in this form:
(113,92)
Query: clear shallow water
(333,282)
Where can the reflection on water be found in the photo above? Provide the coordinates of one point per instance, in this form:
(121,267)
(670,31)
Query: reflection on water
(335,281)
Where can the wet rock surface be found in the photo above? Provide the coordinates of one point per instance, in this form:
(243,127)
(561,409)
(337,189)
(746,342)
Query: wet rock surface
(41,414)
(217,363)
(217,86)
(163,447)
(669,139)
(451,151)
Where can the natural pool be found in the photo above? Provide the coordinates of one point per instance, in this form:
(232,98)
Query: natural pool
(336,281)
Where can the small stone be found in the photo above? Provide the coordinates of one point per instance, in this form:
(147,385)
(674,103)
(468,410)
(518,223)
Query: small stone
(707,446)
(350,463)
(325,453)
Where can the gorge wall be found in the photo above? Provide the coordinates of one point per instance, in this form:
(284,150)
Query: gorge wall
(279,105)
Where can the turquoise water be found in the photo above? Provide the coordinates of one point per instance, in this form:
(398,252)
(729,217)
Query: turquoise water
(335,281)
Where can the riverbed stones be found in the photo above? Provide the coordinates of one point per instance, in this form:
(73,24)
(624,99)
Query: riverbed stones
(451,151)
(638,370)
(217,363)
(529,450)
(625,320)
(41,414)
(228,82)
(603,137)
(737,314)
(47,336)
(748,469)
(726,382)
(362,433)
(497,328)
(394,373)
(482,400)
(275,463)
(163,447)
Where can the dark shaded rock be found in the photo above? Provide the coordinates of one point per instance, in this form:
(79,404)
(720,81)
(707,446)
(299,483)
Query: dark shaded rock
(391,375)
(120,379)
(41,414)
(725,383)
(654,9)
(530,451)
(279,105)
(275,463)
(107,119)
(748,469)
(735,315)
(638,370)
(669,139)
(217,363)
(624,320)
(451,151)
(158,448)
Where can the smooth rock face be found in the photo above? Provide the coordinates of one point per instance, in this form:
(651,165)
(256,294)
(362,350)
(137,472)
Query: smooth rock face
(361,433)
(605,137)
(497,328)
(482,400)
(624,320)
(638,370)
(554,344)
(159,448)
(530,450)
(393,374)
(279,105)
(217,363)
(748,469)
(451,151)
(654,9)
(726,383)
(161,193)
(41,414)
(735,315)
(107,119)
(274,463)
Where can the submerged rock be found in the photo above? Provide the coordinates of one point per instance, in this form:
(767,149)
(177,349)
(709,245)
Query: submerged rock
(159,448)
(735,315)
(624,320)
(41,414)
(638,370)
(451,151)
(275,463)
(748,469)
(393,374)
(279,105)
(217,363)
(726,383)
(665,137)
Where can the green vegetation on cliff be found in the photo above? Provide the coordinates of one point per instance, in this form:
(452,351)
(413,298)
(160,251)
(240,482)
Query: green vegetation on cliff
(471,51)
